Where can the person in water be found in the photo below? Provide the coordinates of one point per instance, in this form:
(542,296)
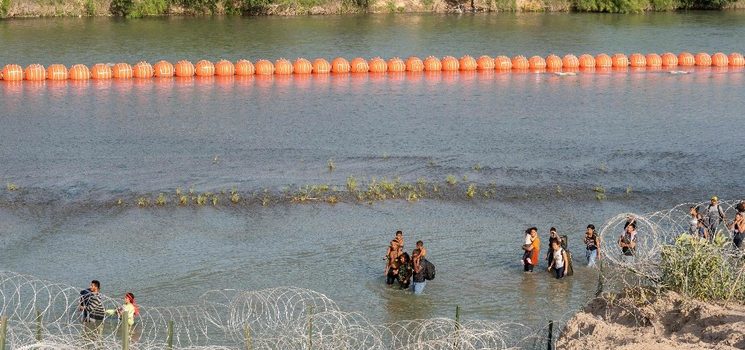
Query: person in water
(400,239)
(422,250)
(130,308)
(534,249)
(418,279)
(391,261)
(737,227)
(560,260)
(627,241)
(713,216)
(693,222)
(405,270)
(93,312)
(526,248)
(592,244)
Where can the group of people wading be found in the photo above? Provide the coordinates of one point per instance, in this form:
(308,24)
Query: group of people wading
(92,311)
(414,270)
(705,221)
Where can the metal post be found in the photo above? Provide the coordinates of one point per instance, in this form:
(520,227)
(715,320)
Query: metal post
(247,335)
(125,330)
(169,340)
(456,343)
(551,335)
(3,331)
(599,291)
(310,329)
(38,325)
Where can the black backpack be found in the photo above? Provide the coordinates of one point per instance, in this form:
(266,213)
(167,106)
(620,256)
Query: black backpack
(429,270)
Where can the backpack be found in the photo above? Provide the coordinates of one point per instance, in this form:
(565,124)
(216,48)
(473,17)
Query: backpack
(429,270)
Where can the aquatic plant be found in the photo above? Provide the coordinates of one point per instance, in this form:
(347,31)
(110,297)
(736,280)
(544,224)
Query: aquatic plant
(235,197)
(183,200)
(628,189)
(11,186)
(330,164)
(178,191)
(143,202)
(351,184)
(214,201)
(161,200)
(477,167)
(119,202)
(451,180)
(201,199)
(559,191)
(471,191)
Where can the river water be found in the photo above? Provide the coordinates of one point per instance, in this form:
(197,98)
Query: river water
(540,141)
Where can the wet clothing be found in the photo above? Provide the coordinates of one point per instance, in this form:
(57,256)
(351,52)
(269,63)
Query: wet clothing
(419,279)
(92,306)
(392,275)
(559,272)
(738,235)
(559,259)
(405,271)
(536,245)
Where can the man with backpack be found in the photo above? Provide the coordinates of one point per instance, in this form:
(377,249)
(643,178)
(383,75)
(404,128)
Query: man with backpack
(423,271)
(713,216)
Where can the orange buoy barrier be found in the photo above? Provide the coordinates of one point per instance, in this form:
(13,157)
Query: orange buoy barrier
(485,63)
(502,63)
(35,72)
(101,71)
(570,61)
(637,60)
(57,72)
(620,60)
(586,61)
(321,66)
(520,63)
(686,59)
(183,68)
(467,63)
(283,66)
(264,67)
(143,70)
(163,69)
(450,64)
(702,59)
(244,68)
(736,59)
(377,65)
(302,66)
(537,62)
(603,61)
(224,68)
(359,65)
(719,60)
(204,68)
(79,72)
(414,64)
(432,64)
(12,72)
(340,65)
(121,71)
(396,64)
(553,63)
(653,60)
(669,59)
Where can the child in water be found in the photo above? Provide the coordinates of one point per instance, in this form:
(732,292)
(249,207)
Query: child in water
(526,247)
(422,250)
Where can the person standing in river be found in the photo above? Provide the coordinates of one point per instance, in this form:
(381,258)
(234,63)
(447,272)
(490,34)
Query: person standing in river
(592,244)
(400,239)
(713,216)
(627,242)
(92,310)
(391,257)
(419,280)
(534,249)
(737,228)
(405,271)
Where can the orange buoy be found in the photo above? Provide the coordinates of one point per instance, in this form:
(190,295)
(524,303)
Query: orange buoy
(502,63)
(396,64)
(432,64)
(586,61)
(537,62)
(359,65)
(485,63)
(520,63)
(101,71)
(12,72)
(79,72)
(653,60)
(121,71)
(620,60)
(183,68)
(204,68)
(603,61)
(264,67)
(377,65)
(719,60)
(143,70)
(553,62)
(686,59)
(669,59)
(57,72)
(570,61)
(703,59)
(321,66)
(736,60)
(467,63)
(35,72)
(224,68)
(450,64)
(244,68)
(340,65)
(414,64)
(163,69)
(637,60)
(302,66)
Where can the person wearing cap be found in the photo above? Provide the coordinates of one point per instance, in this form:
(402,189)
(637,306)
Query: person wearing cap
(592,243)
(713,216)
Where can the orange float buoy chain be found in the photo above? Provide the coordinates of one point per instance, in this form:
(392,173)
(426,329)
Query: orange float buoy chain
(205,68)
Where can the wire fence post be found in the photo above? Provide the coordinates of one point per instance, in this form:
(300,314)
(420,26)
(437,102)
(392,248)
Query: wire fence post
(169,340)
(599,291)
(310,328)
(456,343)
(3,331)
(247,335)
(550,335)
(38,325)
(125,330)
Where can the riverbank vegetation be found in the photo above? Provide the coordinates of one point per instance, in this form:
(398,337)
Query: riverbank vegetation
(144,8)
